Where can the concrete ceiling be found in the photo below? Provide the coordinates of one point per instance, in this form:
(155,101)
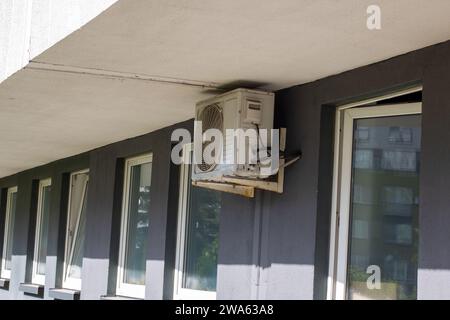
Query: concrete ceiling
(281,43)
(141,64)
(47,116)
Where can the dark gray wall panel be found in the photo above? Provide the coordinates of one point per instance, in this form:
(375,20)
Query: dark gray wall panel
(293,214)
(235,257)
(434,252)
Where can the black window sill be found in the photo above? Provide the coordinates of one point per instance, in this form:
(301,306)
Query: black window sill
(112,297)
(32,289)
(4,283)
(64,294)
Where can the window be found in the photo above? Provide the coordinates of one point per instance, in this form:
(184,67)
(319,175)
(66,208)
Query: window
(399,160)
(364,159)
(76,223)
(400,135)
(380,230)
(362,134)
(363,195)
(399,200)
(134,227)
(198,238)
(11,204)
(41,233)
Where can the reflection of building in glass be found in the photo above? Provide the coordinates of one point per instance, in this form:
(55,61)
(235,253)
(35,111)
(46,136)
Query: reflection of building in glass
(384,230)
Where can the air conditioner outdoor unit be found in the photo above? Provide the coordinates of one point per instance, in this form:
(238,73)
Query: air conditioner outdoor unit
(237,109)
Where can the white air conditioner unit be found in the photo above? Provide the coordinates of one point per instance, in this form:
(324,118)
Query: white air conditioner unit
(237,109)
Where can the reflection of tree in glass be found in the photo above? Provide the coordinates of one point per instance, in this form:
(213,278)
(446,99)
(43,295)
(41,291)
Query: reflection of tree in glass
(143,216)
(358,277)
(203,239)
(138,224)
(357,274)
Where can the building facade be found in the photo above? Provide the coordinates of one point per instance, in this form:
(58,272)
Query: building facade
(123,221)
(92,207)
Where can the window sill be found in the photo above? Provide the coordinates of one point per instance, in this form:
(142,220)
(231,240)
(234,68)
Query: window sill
(117,298)
(4,283)
(32,289)
(64,294)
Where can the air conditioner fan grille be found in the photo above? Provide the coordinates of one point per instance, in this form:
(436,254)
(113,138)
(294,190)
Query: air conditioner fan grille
(212,118)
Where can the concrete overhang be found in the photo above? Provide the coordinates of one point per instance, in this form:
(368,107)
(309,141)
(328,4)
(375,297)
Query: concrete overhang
(141,65)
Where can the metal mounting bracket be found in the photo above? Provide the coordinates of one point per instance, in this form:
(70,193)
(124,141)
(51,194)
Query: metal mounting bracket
(246,187)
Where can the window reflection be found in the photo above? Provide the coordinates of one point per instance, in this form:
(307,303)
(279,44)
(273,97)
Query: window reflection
(43,230)
(384,209)
(10,228)
(138,224)
(76,224)
(202,239)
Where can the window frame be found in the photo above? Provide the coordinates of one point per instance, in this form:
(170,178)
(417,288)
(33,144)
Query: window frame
(68,282)
(342,183)
(35,277)
(6,273)
(180,293)
(122,288)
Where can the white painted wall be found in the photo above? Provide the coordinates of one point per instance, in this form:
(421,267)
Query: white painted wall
(29,27)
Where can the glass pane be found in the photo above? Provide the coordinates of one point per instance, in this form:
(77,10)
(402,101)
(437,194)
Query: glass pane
(76,260)
(43,230)
(76,223)
(384,211)
(202,239)
(138,224)
(9,240)
(76,201)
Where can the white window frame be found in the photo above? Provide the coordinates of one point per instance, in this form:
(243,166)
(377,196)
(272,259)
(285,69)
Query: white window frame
(35,277)
(181,293)
(122,288)
(6,273)
(68,282)
(342,176)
